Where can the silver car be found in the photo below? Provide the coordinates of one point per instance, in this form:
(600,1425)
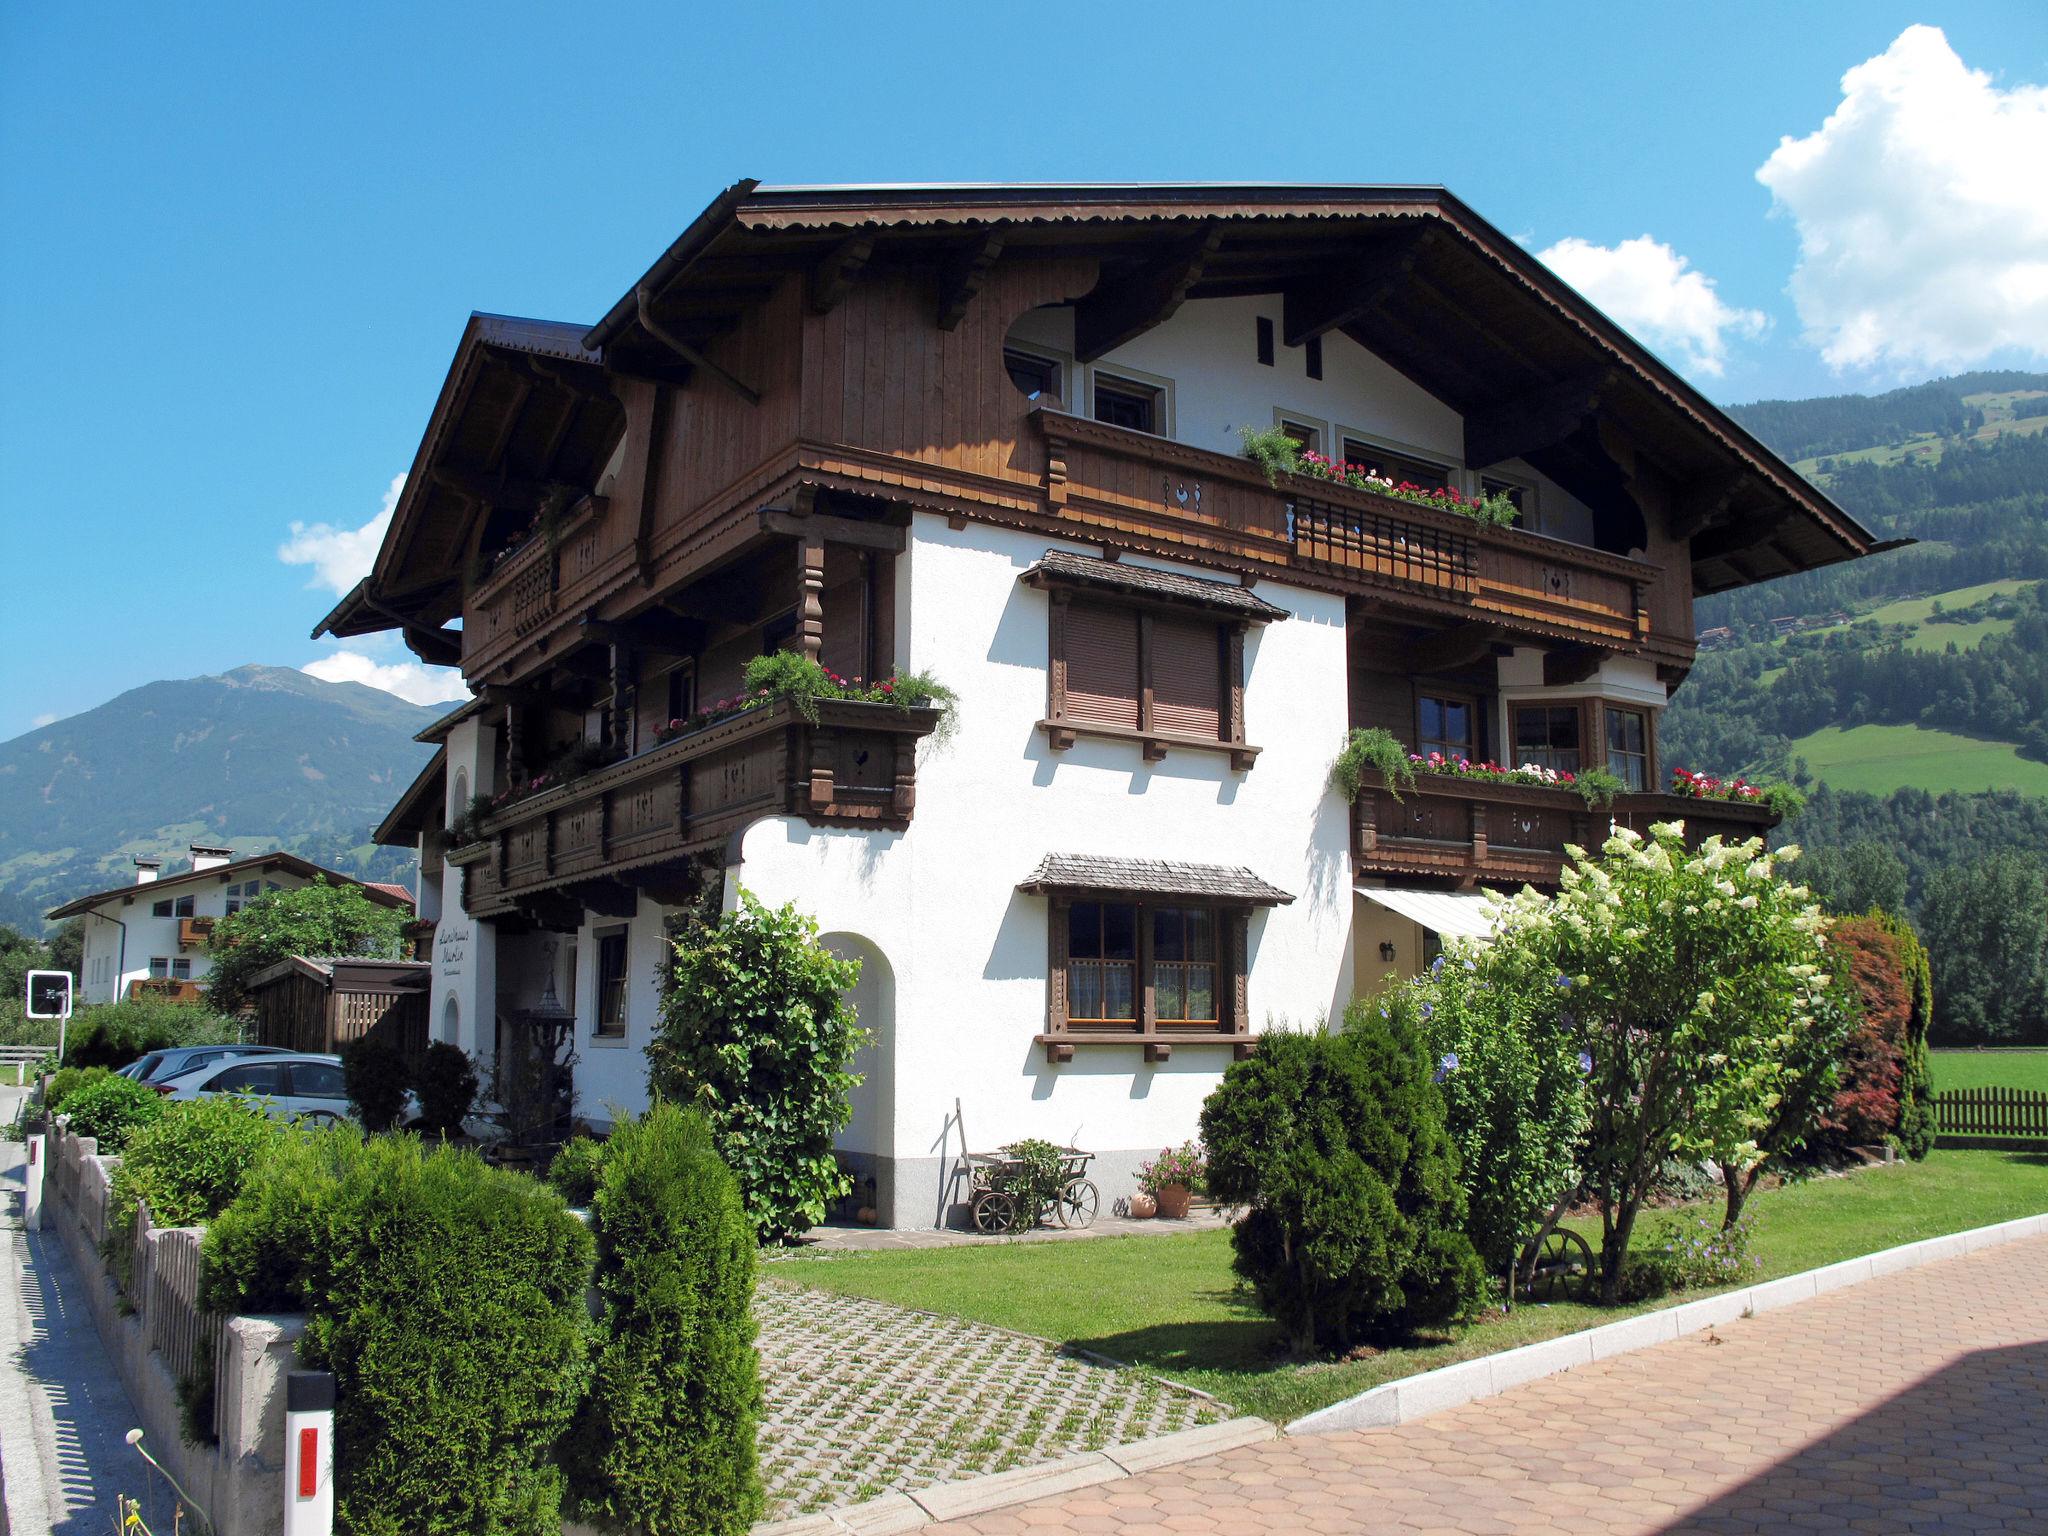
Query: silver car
(176,1061)
(295,1086)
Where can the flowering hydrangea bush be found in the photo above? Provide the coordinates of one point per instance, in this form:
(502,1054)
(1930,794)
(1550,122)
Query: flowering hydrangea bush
(1495,511)
(1693,982)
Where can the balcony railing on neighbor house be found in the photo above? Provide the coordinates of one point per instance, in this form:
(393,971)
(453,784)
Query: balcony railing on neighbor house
(1151,486)
(1481,829)
(856,764)
(167,989)
(193,932)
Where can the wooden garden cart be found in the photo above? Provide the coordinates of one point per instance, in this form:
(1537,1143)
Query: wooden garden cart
(993,1179)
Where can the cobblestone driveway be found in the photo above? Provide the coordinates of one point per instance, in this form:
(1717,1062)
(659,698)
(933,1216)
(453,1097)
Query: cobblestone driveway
(1914,1403)
(863,1399)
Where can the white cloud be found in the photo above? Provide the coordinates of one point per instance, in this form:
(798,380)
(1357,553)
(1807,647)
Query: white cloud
(42,720)
(1651,290)
(408,679)
(1922,209)
(340,557)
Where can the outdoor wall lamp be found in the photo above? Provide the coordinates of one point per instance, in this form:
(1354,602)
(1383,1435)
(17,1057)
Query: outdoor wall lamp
(1387,950)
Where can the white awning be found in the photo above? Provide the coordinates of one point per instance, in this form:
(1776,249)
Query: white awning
(1454,914)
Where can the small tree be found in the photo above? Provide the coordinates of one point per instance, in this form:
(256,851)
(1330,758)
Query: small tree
(447,1088)
(376,1079)
(1688,976)
(1336,1144)
(1916,1081)
(756,1030)
(1514,1093)
(317,919)
(1808,1071)
(665,1440)
(110,1109)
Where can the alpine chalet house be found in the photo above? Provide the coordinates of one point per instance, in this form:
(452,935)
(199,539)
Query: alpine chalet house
(150,937)
(996,433)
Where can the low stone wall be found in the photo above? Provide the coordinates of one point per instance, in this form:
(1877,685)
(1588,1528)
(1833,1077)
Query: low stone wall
(155,1335)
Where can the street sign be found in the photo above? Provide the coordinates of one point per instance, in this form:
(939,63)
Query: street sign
(49,994)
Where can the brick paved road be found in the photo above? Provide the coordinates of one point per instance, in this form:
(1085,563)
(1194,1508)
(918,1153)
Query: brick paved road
(1915,1403)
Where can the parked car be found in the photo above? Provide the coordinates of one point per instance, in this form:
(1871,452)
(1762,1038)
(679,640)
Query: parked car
(176,1061)
(297,1086)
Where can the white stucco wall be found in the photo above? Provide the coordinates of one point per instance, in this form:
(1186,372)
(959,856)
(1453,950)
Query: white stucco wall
(1207,351)
(969,952)
(465,950)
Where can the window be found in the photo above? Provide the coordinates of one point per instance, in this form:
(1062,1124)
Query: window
(611,985)
(1547,736)
(681,692)
(1306,434)
(1107,652)
(1184,965)
(1036,377)
(1313,351)
(241,894)
(263,1078)
(1124,403)
(317,1080)
(1397,467)
(165,968)
(1523,496)
(180,906)
(1628,746)
(181,970)
(1102,963)
(1262,333)
(1443,723)
(1145,966)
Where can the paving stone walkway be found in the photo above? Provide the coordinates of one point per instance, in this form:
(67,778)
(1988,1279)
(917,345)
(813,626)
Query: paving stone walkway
(1917,1403)
(863,1398)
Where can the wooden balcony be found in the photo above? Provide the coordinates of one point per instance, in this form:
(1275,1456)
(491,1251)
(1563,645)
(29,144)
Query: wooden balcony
(589,553)
(1423,557)
(167,990)
(1478,830)
(633,823)
(193,932)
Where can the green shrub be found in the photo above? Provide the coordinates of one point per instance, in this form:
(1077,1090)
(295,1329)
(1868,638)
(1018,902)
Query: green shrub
(1514,1095)
(1036,1180)
(1916,1087)
(573,1173)
(1272,450)
(1689,1253)
(665,1440)
(446,1296)
(114,1034)
(189,1165)
(447,1088)
(111,1109)
(1337,1145)
(65,1082)
(376,1077)
(757,1031)
(316,919)
(1375,748)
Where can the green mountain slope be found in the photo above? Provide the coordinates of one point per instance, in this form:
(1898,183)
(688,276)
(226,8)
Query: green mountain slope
(258,758)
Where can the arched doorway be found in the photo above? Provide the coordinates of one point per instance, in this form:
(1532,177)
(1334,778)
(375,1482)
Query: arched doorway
(870,1136)
(451,1021)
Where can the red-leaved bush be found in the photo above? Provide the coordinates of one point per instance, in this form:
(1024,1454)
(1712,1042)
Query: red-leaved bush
(1866,1107)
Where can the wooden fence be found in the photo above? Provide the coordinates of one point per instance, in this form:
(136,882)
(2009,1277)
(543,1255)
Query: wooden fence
(2007,1114)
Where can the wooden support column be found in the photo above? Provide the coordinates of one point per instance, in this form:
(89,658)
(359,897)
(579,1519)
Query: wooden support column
(1478,833)
(618,724)
(515,745)
(822,787)
(903,796)
(810,628)
(1365,823)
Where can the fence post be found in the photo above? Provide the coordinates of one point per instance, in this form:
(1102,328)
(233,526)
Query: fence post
(309,1454)
(32,1182)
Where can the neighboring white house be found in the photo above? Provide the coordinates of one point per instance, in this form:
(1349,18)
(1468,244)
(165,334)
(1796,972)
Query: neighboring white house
(152,934)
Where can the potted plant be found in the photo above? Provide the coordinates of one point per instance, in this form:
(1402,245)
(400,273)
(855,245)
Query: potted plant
(1171,1179)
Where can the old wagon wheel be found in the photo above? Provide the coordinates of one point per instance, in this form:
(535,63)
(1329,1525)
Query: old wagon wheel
(1563,1269)
(1077,1204)
(995,1212)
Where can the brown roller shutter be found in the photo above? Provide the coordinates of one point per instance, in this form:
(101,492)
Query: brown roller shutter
(1187,678)
(1102,665)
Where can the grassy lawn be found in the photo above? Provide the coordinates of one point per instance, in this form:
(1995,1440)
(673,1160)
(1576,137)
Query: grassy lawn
(1991,1069)
(1170,1304)
(1881,758)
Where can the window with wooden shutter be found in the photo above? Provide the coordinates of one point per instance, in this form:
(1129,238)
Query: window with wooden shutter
(1102,665)
(1187,677)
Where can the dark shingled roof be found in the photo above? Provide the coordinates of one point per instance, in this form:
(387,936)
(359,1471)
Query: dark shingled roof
(1170,586)
(1152,877)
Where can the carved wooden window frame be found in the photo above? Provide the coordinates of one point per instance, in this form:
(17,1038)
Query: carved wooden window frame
(1232,986)
(1062,730)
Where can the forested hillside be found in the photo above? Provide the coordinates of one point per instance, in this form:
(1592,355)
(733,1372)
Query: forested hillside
(1908,693)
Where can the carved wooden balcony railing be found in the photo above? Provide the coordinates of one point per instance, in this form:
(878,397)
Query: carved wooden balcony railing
(193,932)
(167,989)
(1479,829)
(561,573)
(856,765)
(1152,487)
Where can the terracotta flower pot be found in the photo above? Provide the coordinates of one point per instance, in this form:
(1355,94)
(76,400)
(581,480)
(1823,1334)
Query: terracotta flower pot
(1173,1202)
(1144,1207)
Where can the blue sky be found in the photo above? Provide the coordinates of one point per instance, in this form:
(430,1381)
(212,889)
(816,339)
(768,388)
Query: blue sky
(237,244)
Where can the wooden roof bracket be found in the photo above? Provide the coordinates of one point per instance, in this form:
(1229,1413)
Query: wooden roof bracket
(1123,307)
(1310,310)
(962,281)
(1538,419)
(688,353)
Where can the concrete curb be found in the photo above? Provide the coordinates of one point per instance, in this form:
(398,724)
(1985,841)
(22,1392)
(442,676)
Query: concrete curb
(1416,1397)
(895,1512)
